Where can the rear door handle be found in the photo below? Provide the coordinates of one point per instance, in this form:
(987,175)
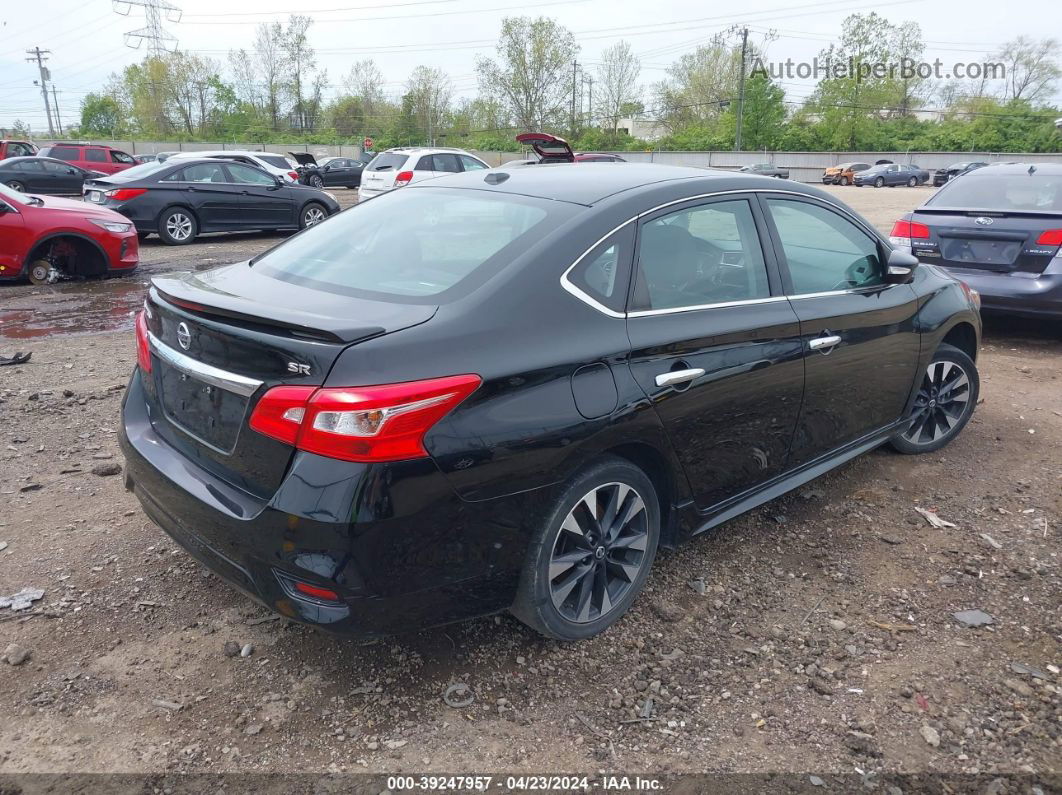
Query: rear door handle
(678,376)
(824,344)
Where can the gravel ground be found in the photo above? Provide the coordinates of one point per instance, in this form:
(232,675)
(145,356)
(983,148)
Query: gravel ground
(815,634)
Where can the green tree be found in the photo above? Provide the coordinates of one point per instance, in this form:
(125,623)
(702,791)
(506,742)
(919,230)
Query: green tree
(764,113)
(101,116)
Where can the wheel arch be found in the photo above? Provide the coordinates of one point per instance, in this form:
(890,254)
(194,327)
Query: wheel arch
(658,469)
(962,335)
(80,237)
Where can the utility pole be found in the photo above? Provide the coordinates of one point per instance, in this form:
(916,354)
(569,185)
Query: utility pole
(58,121)
(590,113)
(39,56)
(575,82)
(741,90)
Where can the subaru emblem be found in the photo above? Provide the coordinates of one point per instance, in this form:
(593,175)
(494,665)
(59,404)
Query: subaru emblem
(184,336)
(983,220)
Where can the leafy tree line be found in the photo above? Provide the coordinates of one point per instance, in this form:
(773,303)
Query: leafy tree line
(275,92)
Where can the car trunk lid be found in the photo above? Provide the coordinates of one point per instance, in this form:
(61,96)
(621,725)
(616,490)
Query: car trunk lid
(549,148)
(381,172)
(221,339)
(1002,242)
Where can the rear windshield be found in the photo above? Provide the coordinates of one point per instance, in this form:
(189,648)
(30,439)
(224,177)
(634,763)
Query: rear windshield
(138,172)
(386,161)
(426,245)
(983,190)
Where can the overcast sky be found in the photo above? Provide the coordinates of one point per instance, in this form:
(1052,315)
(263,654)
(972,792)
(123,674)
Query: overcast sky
(87,40)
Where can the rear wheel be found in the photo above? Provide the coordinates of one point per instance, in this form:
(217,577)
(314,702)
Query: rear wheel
(592,554)
(879,182)
(16,185)
(944,404)
(311,215)
(177,226)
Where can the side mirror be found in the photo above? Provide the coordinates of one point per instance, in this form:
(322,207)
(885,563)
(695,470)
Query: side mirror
(901,267)
(278,182)
(328,167)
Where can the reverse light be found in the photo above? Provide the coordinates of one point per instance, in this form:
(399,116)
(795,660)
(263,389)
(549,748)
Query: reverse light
(1052,237)
(403,178)
(124,194)
(370,423)
(903,232)
(143,346)
(111,226)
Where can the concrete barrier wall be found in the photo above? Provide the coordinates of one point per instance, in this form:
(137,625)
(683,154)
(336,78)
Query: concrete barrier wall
(803,166)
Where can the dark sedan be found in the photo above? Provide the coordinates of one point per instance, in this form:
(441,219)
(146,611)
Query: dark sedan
(892,174)
(766,170)
(999,229)
(178,199)
(44,175)
(331,172)
(942,175)
(504,390)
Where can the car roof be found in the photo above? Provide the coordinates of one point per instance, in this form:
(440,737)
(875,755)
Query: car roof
(410,149)
(571,183)
(1050,169)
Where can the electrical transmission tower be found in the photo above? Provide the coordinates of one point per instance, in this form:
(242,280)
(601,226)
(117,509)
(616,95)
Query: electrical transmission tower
(160,41)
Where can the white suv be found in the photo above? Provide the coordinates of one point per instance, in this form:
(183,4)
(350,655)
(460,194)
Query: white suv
(401,166)
(278,165)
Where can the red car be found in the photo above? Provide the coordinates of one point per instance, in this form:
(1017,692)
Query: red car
(43,237)
(91,157)
(16,149)
(551,149)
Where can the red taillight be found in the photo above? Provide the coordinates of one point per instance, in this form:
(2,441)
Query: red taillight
(316,592)
(910,229)
(280,412)
(294,176)
(1052,237)
(124,194)
(369,423)
(143,347)
(403,178)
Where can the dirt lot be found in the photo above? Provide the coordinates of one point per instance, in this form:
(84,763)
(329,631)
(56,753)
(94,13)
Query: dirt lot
(815,634)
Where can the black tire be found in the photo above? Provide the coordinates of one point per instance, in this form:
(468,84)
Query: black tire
(14,184)
(912,182)
(177,226)
(315,181)
(879,182)
(611,564)
(843,181)
(312,214)
(945,403)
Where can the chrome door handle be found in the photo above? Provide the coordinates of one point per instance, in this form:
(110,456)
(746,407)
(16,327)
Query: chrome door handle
(678,376)
(824,344)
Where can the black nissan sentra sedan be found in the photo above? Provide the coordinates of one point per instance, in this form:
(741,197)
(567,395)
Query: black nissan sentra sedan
(179,199)
(505,390)
(999,229)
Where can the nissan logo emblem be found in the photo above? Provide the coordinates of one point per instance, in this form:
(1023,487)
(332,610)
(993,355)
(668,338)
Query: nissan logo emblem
(983,220)
(184,336)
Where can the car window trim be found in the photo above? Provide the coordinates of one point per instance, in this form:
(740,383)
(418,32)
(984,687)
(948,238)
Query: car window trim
(589,300)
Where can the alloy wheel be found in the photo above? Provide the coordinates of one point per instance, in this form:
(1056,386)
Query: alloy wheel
(15,185)
(179,226)
(942,400)
(314,215)
(598,553)
(316,181)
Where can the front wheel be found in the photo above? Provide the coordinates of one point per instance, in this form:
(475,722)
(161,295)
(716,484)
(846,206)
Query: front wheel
(311,215)
(315,181)
(879,182)
(944,404)
(912,182)
(844,180)
(592,554)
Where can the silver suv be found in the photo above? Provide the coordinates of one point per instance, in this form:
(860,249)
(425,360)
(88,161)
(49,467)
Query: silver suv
(403,165)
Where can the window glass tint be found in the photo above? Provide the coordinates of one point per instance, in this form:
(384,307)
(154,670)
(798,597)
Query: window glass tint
(276,161)
(57,168)
(413,244)
(203,172)
(984,190)
(249,176)
(707,254)
(121,157)
(600,274)
(470,163)
(447,162)
(387,161)
(27,165)
(141,171)
(426,163)
(18,149)
(95,156)
(65,153)
(824,251)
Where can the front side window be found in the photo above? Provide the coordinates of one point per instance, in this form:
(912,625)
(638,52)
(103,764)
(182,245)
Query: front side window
(824,250)
(121,157)
(414,246)
(245,175)
(24,150)
(57,168)
(95,156)
(708,254)
(276,161)
(447,163)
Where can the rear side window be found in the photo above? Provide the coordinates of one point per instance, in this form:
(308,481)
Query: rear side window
(447,163)
(65,153)
(707,254)
(387,161)
(95,156)
(276,161)
(27,165)
(824,251)
(414,245)
(203,172)
(602,273)
(983,190)
(426,163)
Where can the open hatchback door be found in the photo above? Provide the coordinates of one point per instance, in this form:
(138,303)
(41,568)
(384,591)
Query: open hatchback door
(549,148)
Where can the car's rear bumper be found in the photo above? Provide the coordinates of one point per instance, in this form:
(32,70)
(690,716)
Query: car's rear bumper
(401,549)
(1018,293)
(368,193)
